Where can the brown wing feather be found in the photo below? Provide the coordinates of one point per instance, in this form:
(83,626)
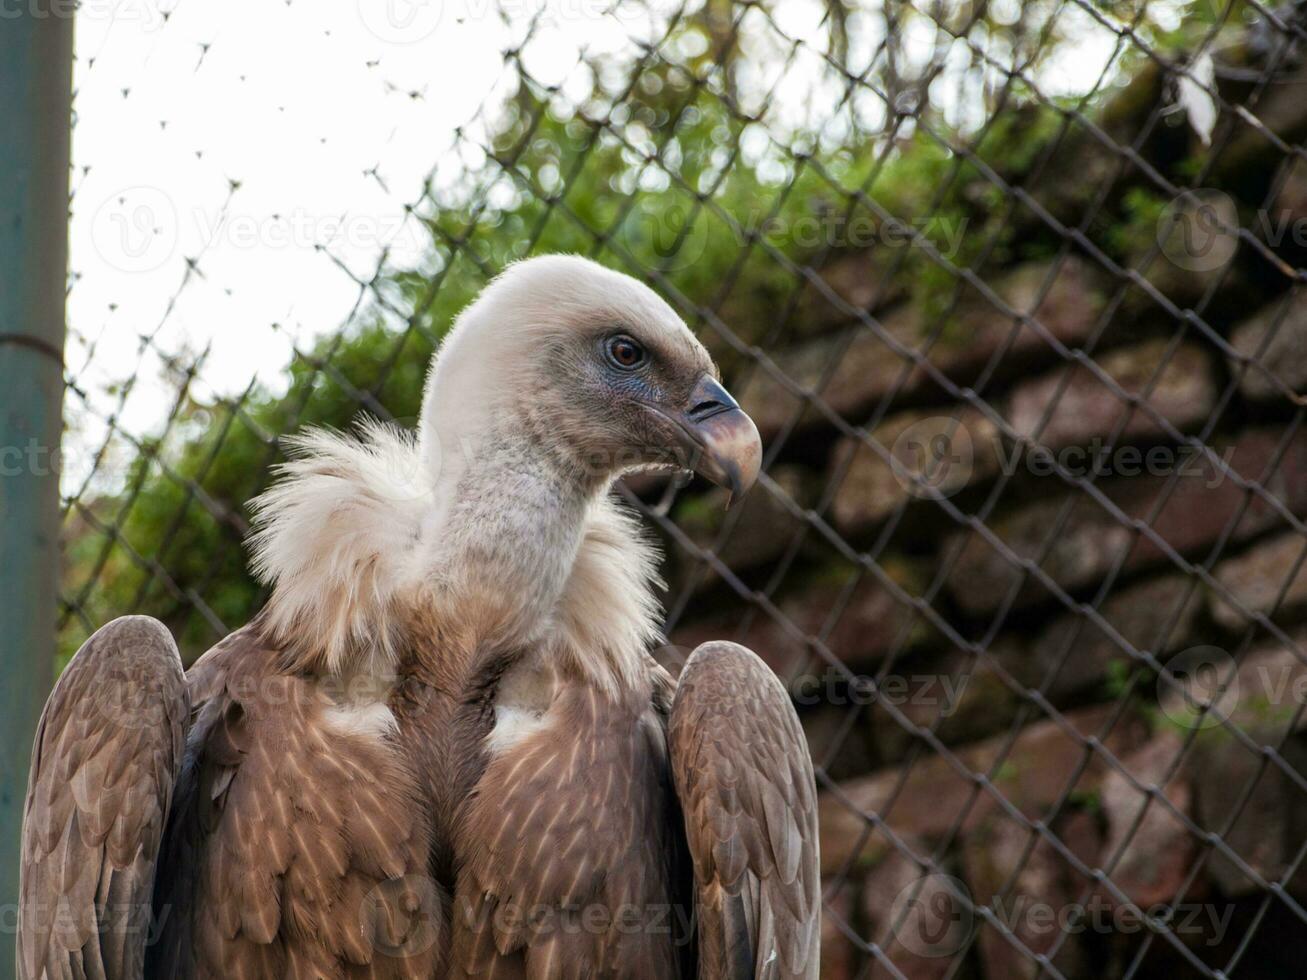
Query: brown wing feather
(104,764)
(296,848)
(744,779)
(566,851)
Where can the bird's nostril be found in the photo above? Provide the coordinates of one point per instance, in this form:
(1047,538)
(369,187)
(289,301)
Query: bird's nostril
(708,398)
(707,408)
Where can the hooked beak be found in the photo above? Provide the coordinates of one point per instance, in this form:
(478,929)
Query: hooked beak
(718,440)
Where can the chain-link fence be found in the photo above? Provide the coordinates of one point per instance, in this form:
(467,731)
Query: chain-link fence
(1011,289)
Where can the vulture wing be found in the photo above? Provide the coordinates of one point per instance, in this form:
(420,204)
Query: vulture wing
(298,842)
(104,764)
(744,778)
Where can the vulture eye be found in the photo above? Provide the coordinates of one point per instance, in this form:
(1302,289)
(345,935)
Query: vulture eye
(625,352)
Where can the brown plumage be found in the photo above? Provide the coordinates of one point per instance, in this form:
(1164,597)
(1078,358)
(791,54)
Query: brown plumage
(104,763)
(443,749)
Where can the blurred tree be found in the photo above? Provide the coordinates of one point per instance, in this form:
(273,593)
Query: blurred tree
(658,171)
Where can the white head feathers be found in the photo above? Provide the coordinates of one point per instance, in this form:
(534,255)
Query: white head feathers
(364,530)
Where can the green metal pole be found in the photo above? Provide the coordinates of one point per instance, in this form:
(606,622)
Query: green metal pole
(36,58)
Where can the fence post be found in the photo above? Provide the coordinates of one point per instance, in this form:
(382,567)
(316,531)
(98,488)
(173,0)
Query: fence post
(36,56)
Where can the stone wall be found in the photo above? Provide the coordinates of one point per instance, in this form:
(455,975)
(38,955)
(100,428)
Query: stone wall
(1007,541)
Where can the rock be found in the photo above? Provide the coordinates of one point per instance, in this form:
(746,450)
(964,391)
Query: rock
(1193,240)
(1079,829)
(1269,827)
(920,918)
(838,744)
(839,955)
(1080,654)
(1273,689)
(857,278)
(930,796)
(1063,296)
(852,370)
(1249,158)
(1284,227)
(1179,387)
(1270,577)
(1076,554)
(858,628)
(980,701)
(1259,809)
(760,532)
(1031,889)
(872,620)
(1188,515)
(863,367)
(1149,851)
(962,697)
(788,656)
(1276,337)
(945,451)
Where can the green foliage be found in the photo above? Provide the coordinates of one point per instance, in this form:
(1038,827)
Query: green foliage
(1136,231)
(1087,801)
(1120,676)
(676,187)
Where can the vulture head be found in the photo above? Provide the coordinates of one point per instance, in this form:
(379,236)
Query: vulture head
(595,370)
(560,377)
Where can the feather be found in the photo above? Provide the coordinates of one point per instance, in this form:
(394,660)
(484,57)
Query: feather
(331,539)
(102,777)
(306,834)
(754,839)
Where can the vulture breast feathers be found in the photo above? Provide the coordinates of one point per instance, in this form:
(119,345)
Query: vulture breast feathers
(442,749)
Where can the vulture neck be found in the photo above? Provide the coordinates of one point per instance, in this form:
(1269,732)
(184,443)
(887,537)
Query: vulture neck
(384,555)
(528,554)
(500,544)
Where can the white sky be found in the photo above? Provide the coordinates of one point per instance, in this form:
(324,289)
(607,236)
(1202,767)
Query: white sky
(329,114)
(297,102)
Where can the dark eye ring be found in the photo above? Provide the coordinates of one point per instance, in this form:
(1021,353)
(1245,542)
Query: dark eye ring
(625,353)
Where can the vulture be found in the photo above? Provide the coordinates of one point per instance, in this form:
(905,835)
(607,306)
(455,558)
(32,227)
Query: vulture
(444,747)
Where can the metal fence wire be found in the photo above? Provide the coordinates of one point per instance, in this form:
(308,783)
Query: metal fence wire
(1013,291)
